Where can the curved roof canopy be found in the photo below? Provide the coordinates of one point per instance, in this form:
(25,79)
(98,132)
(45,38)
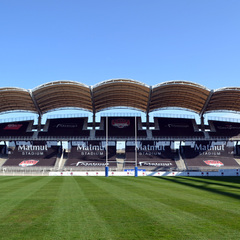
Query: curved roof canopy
(225,99)
(62,94)
(16,99)
(119,93)
(179,94)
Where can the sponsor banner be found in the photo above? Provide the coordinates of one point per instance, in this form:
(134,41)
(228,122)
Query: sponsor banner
(13,126)
(228,127)
(91,146)
(155,164)
(150,149)
(92,163)
(214,163)
(32,150)
(89,164)
(90,153)
(177,125)
(150,146)
(213,148)
(155,153)
(120,122)
(88,150)
(28,163)
(66,125)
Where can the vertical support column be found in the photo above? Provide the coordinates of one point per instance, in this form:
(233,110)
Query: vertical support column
(94,120)
(93,107)
(39,122)
(202,123)
(148,106)
(204,109)
(147,118)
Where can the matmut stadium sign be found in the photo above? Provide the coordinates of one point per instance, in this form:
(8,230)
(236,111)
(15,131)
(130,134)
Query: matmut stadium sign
(32,149)
(150,148)
(210,149)
(91,149)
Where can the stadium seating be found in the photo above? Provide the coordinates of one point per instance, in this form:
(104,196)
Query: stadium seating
(224,129)
(176,127)
(91,155)
(15,129)
(36,154)
(66,127)
(209,154)
(120,127)
(151,156)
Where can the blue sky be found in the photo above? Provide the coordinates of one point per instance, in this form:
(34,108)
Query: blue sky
(91,41)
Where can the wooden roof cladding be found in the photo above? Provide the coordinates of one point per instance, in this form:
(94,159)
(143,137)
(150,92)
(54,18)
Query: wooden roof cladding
(62,94)
(179,94)
(121,92)
(16,99)
(225,99)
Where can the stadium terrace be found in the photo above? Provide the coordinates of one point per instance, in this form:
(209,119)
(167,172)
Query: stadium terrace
(120,144)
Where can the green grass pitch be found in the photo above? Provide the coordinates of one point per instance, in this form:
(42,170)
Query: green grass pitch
(119,208)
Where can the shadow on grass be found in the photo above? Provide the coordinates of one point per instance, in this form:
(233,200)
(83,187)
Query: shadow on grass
(220,180)
(190,182)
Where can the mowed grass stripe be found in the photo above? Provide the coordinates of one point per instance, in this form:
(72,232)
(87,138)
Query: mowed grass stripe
(196,189)
(165,218)
(13,192)
(220,206)
(203,194)
(12,184)
(8,179)
(74,217)
(119,208)
(129,213)
(123,219)
(28,208)
(186,215)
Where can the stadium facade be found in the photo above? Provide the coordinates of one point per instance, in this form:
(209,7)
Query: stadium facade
(119,143)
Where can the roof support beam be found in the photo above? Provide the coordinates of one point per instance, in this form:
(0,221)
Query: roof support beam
(206,103)
(204,109)
(93,107)
(37,108)
(148,106)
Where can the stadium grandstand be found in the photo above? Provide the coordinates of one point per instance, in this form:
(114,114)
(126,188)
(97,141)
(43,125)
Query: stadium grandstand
(120,142)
